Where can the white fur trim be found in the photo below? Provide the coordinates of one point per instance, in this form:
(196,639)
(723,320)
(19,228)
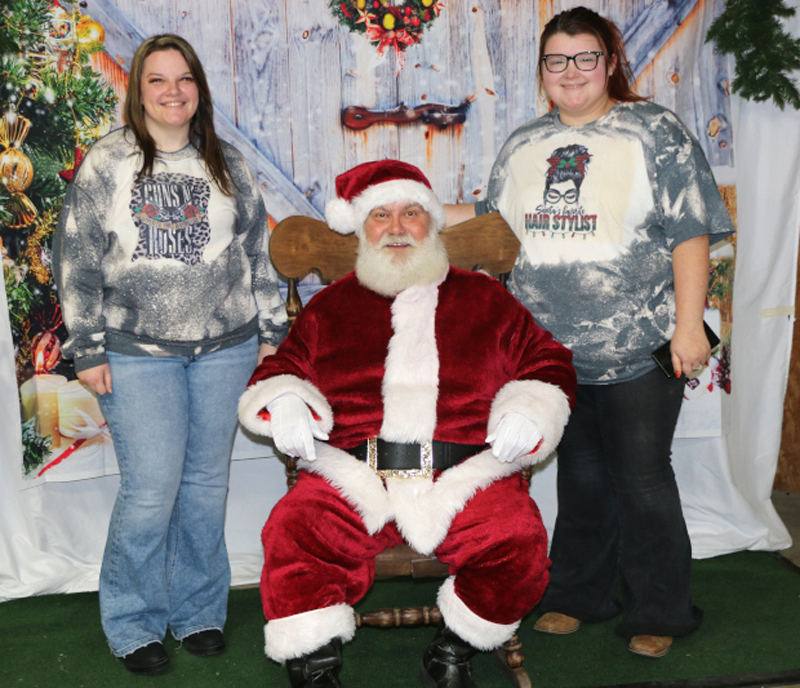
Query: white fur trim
(356,482)
(297,635)
(422,509)
(543,403)
(341,216)
(256,398)
(411,381)
(478,632)
(347,218)
(424,512)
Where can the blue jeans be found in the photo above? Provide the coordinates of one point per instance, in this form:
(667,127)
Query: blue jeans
(619,511)
(172,419)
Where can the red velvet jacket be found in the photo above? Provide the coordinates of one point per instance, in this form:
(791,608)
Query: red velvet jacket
(484,337)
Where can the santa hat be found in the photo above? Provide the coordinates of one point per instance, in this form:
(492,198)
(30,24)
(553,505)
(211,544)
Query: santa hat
(373,184)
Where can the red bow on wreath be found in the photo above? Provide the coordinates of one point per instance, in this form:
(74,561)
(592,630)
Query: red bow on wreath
(399,40)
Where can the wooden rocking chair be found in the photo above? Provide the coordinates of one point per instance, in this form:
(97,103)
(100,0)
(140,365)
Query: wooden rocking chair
(301,245)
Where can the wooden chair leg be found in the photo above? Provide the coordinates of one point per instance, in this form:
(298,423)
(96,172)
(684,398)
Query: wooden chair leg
(399,617)
(509,659)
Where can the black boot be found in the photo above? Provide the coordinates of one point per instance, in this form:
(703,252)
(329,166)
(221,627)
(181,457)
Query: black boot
(317,669)
(446,662)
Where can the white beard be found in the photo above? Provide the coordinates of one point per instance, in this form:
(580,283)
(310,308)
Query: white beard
(387,274)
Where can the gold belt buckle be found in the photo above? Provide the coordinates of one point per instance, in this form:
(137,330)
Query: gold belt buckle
(425,469)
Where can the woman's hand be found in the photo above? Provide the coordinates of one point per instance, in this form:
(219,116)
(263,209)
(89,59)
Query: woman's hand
(265,350)
(98,379)
(456,213)
(689,348)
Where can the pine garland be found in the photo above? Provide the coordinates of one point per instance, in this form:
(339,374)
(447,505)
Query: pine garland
(765,54)
(35,447)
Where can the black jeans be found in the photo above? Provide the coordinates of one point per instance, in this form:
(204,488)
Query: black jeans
(619,512)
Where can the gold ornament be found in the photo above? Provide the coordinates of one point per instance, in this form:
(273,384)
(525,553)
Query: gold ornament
(91,34)
(16,169)
(37,259)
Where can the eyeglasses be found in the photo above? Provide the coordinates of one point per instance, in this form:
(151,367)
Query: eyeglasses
(586,62)
(553,196)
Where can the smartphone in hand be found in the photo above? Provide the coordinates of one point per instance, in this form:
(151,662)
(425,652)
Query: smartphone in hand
(663,357)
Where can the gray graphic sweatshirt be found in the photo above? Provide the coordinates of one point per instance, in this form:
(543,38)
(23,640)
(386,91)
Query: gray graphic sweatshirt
(166,265)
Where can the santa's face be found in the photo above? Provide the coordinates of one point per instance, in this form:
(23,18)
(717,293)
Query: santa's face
(397,228)
(398,250)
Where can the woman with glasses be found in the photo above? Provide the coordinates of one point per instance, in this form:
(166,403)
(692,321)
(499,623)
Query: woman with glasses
(613,202)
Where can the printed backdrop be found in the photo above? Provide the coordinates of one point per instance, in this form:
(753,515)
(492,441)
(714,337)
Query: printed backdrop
(307,88)
(440,85)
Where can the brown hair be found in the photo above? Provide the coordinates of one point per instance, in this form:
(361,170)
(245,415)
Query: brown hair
(201,130)
(580,20)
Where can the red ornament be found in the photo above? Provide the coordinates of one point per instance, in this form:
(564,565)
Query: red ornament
(67,175)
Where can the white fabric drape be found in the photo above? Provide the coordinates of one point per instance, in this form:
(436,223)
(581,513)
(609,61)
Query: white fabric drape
(52,535)
(726,482)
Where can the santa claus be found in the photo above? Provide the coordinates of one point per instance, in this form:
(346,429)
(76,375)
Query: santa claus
(413,393)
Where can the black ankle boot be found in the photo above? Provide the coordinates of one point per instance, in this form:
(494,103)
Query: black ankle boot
(317,669)
(446,662)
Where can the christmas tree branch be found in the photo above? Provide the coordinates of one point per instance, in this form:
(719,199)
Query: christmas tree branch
(765,54)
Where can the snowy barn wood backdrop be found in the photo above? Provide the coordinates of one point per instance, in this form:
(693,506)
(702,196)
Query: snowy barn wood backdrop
(281,72)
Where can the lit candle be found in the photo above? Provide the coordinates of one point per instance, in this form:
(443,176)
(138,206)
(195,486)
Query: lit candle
(39,397)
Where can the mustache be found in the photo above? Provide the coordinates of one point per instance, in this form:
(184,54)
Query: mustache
(388,239)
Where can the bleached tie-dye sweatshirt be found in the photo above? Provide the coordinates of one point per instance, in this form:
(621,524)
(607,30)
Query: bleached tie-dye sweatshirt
(164,265)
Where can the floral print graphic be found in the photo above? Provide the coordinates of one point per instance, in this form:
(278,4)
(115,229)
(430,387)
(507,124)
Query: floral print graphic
(170,211)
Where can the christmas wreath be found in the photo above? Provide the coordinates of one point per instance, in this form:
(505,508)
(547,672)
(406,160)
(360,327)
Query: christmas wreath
(388,23)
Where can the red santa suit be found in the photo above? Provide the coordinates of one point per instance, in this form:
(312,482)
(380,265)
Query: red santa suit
(443,361)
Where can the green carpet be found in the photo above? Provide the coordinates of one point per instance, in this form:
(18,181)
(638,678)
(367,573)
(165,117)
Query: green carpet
(750,637)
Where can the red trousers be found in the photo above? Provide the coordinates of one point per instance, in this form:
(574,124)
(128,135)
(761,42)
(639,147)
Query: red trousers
(319,554)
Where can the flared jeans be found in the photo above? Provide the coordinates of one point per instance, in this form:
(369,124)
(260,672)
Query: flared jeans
(172,420)
(619,512)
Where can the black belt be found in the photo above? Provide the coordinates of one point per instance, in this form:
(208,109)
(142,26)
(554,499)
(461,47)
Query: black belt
(408,460)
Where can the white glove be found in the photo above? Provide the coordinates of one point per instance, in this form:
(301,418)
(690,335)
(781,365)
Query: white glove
(293,427)
(514,436)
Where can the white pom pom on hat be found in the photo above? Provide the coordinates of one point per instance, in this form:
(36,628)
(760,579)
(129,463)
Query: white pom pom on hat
(373,184)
